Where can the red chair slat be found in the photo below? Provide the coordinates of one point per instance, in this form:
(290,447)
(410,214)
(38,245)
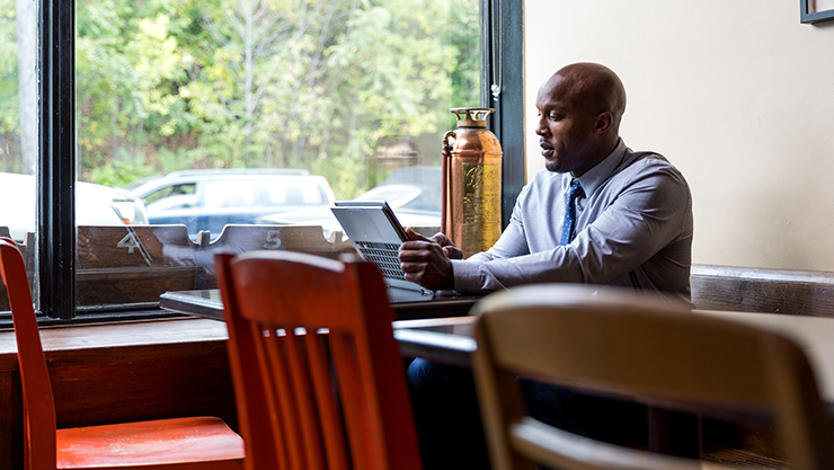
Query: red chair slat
(306,387)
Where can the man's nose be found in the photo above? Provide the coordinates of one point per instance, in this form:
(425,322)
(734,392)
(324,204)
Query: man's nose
(541,129)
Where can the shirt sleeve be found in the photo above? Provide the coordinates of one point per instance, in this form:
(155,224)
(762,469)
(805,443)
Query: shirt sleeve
(645,217)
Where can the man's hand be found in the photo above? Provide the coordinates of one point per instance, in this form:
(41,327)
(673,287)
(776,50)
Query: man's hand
(426,262)
(449,248)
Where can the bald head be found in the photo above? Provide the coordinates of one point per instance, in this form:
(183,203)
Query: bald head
(580,108)
(593,88)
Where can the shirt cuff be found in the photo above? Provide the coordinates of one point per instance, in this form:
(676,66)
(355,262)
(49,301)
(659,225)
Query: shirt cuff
(467,275)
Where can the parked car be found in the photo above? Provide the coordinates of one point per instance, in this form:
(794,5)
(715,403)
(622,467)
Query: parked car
(414,194)
(94,205)
(211,199)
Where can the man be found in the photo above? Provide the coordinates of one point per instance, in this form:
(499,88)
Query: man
(600,213)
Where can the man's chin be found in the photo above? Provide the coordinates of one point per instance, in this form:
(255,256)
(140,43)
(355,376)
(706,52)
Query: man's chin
(553,166)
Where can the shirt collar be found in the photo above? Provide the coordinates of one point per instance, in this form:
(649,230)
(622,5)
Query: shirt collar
(602,170)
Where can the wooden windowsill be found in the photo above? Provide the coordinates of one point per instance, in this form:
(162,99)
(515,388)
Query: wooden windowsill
(115,335)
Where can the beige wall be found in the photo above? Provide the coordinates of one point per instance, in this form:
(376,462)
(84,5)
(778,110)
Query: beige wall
(736,93)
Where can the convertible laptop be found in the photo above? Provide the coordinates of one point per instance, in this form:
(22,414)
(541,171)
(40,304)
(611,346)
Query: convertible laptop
(377,235)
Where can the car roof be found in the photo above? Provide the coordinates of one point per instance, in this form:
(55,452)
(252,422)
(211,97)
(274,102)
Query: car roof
(241,171)
(216,172)
(147,185)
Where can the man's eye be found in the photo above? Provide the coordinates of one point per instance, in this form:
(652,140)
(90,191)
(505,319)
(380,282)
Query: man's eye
(554,117)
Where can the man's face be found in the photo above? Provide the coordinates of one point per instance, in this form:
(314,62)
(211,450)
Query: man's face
(565,129)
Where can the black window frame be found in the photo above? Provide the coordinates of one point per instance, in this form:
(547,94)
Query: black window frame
(502,23)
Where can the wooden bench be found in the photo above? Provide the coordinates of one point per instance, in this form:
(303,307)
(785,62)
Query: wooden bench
(242,238)
(125,265)
(120,265)
(791,292)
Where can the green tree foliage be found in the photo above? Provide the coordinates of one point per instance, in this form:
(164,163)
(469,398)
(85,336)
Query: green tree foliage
(320,85)
(9,111)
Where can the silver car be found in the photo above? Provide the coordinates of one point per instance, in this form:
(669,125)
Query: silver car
(211,199)
(94,205)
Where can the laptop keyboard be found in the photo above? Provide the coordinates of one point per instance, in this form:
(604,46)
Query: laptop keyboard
(384,256)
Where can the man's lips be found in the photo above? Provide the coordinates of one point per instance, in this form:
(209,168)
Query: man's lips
(547,149)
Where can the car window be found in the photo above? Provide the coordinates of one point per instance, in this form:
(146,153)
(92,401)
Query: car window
(265,192)
(177,201)
(296,194)
(229,193)
(169,191)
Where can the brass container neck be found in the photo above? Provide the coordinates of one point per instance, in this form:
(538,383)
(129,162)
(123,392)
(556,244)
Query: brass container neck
(472,117)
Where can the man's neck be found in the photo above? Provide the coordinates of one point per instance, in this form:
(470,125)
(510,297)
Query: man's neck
(601,155)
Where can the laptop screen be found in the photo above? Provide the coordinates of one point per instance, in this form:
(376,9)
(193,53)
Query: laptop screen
(377,235)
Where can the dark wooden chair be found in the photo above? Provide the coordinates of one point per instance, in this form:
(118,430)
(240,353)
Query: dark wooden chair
(618,342)
(201,443)
(310,341)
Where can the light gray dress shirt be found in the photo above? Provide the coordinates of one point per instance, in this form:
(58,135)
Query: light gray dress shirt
(633,228)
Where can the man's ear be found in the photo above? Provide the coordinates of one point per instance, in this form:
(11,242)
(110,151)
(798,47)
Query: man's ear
(603,122)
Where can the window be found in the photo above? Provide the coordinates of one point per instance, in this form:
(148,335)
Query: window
(18,124)
(332,97)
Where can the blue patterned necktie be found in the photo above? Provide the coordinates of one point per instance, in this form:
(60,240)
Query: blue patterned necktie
(570,212)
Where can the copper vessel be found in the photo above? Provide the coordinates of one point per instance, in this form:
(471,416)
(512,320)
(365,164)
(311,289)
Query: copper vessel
(471,213)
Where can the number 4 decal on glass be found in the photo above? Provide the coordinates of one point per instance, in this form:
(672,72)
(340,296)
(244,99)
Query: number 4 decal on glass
(129,241)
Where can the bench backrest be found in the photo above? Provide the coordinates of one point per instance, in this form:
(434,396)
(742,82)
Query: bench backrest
(791,292)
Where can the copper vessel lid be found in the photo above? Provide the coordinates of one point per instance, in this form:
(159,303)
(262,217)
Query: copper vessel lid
(472,117)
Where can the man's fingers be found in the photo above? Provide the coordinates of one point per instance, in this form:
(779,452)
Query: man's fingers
(441,239)
(451,252)
(416,245)
(412,235)
(409,267)
(413,255)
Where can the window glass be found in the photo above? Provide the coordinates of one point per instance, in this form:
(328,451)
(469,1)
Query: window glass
(233,94)
(18,127)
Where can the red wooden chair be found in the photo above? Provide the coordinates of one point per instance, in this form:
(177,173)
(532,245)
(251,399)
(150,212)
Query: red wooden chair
(310,398)
(202,443)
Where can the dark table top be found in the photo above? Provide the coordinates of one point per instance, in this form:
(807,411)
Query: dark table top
(406,304)
(432,327)
(424,328)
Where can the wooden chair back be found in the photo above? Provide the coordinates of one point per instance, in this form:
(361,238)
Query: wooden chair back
(38,406)
(310,398)
(619,342)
